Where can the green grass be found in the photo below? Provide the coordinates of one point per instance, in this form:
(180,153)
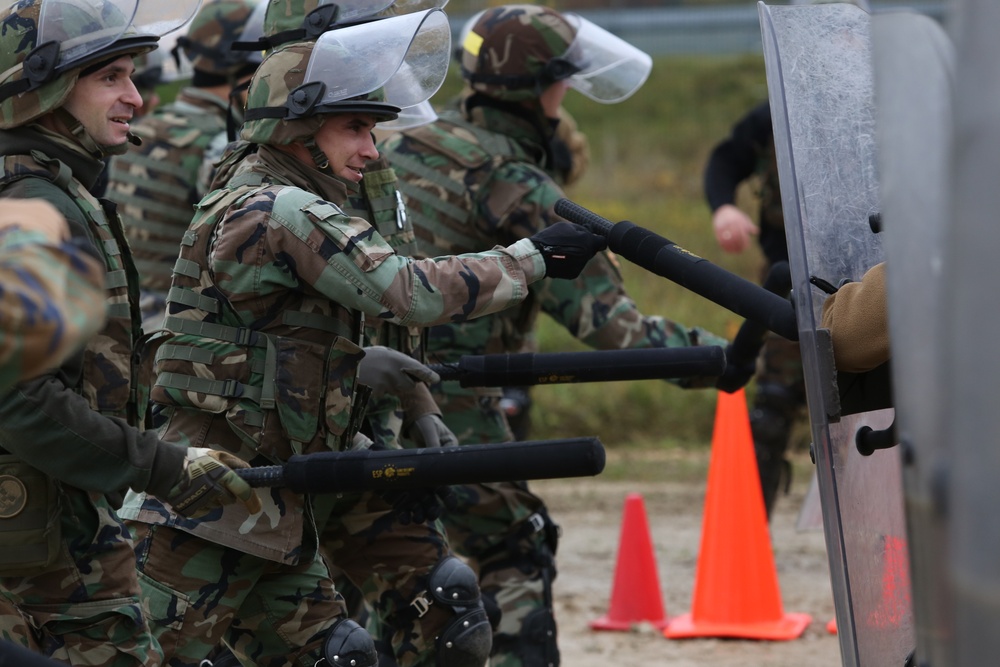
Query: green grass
(647,158)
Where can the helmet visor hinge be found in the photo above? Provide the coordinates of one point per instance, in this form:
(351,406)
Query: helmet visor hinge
(41,63)
(320,20)
(303,99)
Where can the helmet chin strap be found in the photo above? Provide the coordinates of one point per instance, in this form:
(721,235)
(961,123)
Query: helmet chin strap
(318,156)
(78,132)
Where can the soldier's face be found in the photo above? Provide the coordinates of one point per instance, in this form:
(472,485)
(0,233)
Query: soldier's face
(105,101)
(347,141)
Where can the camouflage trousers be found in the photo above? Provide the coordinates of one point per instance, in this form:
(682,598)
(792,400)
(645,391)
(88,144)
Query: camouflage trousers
(84,609)
(389,564)
(198,594)
(503,530)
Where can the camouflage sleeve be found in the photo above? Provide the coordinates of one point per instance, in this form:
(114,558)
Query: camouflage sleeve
(334,252)
(597,310)
(51,302)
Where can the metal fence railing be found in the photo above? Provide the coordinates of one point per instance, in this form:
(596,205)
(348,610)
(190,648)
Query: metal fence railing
(711,29)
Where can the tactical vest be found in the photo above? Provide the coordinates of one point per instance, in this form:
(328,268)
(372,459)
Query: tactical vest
(442,196)
(442,206)
(380,202)
(286,386)
(156,185)
(110,371)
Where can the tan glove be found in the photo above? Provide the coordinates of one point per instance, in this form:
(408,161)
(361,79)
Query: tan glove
(208,482)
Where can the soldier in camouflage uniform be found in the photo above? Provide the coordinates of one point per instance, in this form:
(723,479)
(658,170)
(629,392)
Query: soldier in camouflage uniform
(72,439)
(260,355)
(51,291)
(477,177)
(780,396)
(155,185)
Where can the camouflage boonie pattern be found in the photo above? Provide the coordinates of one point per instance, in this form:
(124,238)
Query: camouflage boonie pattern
(84,603)
(471,183)
(211,33)
(283,16)
(389,563)
(51,303)
(281,296)
(282,71)
(155,185)
(509,46)
(81,609)
(198,595)
(19,36)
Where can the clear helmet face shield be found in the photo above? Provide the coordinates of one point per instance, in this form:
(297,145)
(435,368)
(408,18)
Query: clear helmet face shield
(84,28)
(610,69)
(407,56)
(410,117)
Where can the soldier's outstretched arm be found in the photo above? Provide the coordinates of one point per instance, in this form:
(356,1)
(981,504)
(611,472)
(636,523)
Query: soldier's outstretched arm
(597,310)
(431,291)
(51,291)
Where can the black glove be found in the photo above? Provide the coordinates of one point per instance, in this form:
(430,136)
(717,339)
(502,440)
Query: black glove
(420,505)
(737,373)
(566,248)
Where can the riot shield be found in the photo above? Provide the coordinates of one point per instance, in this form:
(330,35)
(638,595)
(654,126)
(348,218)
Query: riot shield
(971,364)
(913,64)
(819,76)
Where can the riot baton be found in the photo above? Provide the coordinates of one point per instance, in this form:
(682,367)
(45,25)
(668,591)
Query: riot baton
(750,337)
(516,370)
(665,258)
(397,469)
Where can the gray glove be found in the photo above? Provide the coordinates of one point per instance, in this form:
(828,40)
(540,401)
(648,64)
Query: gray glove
(429,430)
(389,371)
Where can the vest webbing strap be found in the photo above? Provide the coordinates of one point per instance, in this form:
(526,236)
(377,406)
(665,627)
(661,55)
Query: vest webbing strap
(236,335)
(194,299)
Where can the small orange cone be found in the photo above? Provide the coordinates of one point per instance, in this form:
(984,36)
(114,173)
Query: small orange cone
(635,595)
(736,591)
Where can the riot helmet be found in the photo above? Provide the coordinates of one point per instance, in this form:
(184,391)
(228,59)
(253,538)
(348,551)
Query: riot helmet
(297,20)
(45,44)
(210,38)
(514,52)
(373,68)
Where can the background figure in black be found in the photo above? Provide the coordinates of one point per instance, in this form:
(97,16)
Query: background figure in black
(748,153)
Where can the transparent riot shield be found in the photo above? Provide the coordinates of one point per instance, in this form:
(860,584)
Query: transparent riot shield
(914,69)
(819,75)
(971,363)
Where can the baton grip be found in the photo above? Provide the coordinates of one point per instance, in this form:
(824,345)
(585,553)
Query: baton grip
(665,258)
(261,476)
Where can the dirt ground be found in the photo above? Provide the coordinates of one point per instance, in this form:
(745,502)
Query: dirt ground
(590,513)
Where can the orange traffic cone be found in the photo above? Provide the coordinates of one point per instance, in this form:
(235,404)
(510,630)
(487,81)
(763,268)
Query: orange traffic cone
(736,590)
(635,594)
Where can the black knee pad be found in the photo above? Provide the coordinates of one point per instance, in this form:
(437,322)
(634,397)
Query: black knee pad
(349,645)
(467,638)
(538,646)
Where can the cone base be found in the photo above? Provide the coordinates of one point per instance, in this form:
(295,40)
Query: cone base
(608,623)
(790,626)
